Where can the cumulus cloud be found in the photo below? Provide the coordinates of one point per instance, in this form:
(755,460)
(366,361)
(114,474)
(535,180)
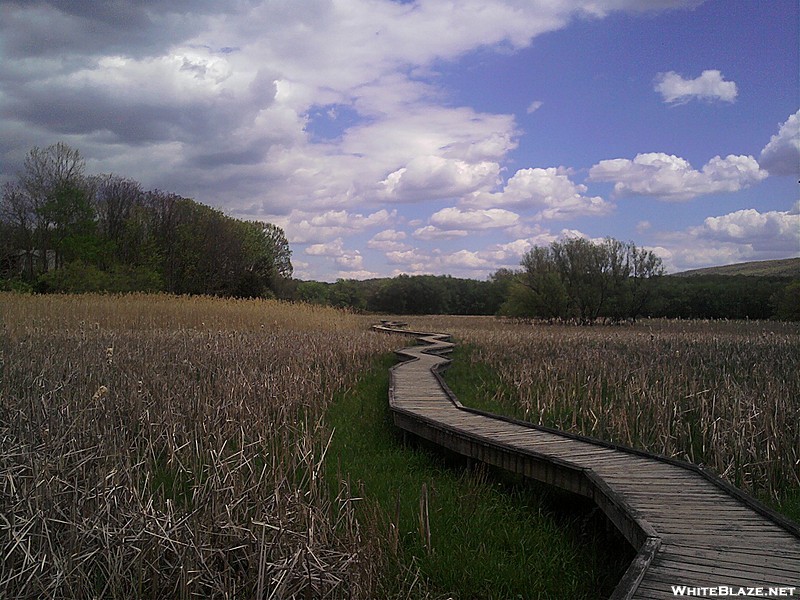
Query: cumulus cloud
(332,249)
(232,88)
(474,263)
(469,263)
(388,240)
(781,156)
(350,262)
(464,259)
(771,231)
(453,218)
(673,179)
(429,232)
(549,190)
(742,235)
(436,177)
(303,227)
(413,258)
(709,86)
(317,116)
(508,255)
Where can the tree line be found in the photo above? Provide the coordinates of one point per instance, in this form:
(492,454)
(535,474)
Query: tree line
(576,281)
(407,295)
(64,230)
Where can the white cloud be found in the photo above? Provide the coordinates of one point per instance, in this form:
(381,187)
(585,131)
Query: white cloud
(487,260)
(332,249)
(389,235)
(549,190)
(348,261)
(311,115)
(710,85)
(302,226)
(509,255)
(387,240)
(235,89)
(429,232)
(672,178)
(435,177)
(352,261)
(413,258)
(453,218)
(464,259)
(768,231)
(781,156)
(534,106)
(739,236)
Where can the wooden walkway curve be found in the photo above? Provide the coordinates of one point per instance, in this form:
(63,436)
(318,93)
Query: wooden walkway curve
(689,528)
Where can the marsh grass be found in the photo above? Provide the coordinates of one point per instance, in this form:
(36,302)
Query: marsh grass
(722,394)
(445,531)
(154,446)
(161,446)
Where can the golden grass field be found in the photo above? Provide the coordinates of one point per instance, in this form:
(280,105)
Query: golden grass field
(157,446)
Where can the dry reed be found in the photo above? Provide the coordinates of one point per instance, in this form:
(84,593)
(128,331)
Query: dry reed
(723,394)
(153,446)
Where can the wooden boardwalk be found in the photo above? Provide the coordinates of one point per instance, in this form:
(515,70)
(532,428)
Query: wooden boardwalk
(689,528)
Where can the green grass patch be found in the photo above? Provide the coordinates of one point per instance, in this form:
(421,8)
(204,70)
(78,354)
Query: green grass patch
(788,505)
(477,385)
(481,536)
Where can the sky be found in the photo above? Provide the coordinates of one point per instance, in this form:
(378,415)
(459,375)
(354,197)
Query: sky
(430,136)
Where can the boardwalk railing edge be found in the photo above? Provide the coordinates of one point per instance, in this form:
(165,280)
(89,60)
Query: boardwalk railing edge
(635,529)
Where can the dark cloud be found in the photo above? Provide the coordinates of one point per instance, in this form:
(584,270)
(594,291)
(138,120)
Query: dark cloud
(88,110)
(131,28)
(240,156)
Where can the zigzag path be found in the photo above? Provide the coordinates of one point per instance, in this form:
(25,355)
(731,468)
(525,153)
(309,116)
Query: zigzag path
(689,528)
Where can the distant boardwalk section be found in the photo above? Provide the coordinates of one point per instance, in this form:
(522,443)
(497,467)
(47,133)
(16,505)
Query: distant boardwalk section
(695,535)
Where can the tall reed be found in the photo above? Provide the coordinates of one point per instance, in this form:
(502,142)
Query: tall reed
(724,394)
(154,446)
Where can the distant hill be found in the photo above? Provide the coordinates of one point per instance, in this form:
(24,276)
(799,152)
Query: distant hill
(787,267)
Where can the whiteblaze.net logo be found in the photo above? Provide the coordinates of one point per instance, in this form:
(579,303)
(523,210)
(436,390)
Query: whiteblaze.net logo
(727,591)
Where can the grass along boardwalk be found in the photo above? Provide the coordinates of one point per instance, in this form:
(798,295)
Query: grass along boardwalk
(695,535)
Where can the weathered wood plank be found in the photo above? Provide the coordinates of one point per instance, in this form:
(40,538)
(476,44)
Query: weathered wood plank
(689,530)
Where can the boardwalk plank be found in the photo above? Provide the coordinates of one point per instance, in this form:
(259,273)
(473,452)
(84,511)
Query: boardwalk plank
(707,536)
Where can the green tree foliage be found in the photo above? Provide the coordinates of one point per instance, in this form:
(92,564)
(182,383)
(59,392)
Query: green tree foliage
(581,280)
(786,302)
(720,297)
(50,206)
(436,294)
(313,292)
(347,293)
(65,231)
(410,294)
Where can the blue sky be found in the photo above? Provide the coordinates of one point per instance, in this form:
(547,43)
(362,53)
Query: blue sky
(431,137)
